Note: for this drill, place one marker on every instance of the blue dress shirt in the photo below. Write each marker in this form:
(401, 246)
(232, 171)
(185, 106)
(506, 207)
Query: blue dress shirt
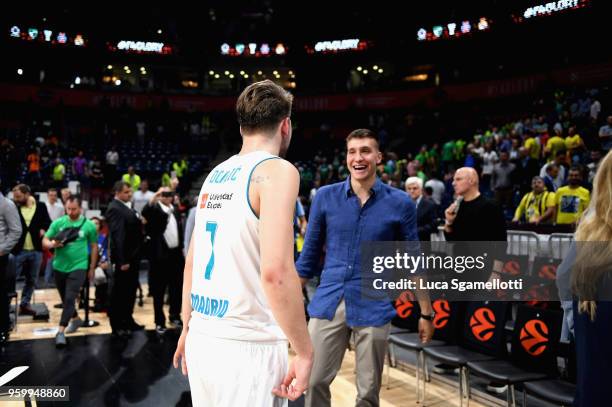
(338, 221)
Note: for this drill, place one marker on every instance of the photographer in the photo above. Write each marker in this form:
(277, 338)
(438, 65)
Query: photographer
(73, 237)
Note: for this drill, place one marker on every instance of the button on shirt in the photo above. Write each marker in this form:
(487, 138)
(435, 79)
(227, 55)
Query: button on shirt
(338, 220)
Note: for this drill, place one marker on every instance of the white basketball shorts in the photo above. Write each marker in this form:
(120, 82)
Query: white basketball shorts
(229, 373)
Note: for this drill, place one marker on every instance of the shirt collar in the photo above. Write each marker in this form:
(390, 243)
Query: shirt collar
(167, 209)
(376, 188)
(128, 204)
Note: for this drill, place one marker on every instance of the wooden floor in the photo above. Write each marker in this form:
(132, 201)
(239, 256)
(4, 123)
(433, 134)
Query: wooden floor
(402, 391)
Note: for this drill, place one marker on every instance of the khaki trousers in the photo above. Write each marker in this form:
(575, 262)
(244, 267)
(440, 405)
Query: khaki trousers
(330, 340)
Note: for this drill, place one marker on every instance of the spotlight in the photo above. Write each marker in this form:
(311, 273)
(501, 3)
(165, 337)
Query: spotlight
(118, 82)
(19, 71)
(109, 67)
(359, 68)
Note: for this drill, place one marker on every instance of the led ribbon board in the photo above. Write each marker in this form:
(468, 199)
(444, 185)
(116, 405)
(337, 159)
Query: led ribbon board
(327, 47)
(142, 47)
(253, 49)
(47, 36)
(453, 29)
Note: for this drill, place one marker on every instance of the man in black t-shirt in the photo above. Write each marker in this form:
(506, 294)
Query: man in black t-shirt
(473, 217)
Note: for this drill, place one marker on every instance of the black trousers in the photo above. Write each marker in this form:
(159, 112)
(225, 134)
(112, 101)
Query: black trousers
(167, 272)
(4, 301)
(123, 296)
(69, 285)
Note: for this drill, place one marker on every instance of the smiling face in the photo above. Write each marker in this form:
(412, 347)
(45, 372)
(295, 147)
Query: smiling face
(362, 157)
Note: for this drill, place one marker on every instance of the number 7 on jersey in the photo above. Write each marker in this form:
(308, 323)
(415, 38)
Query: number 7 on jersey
(212, 228)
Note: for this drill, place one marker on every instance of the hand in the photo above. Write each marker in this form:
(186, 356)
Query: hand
(451, 213)
(125, 267)
(180, 353)
(426, 330)
(57, 244)
(104, 265)
(299, 369)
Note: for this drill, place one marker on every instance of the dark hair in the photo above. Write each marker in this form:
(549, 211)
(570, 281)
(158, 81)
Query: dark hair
(74, 198)
(23, 188)
(362, 133)
(262, 105)
(577, 167)
(52, 190)
(119, 185)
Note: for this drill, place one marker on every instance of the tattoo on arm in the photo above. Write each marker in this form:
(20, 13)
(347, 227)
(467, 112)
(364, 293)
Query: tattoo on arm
(258, 179)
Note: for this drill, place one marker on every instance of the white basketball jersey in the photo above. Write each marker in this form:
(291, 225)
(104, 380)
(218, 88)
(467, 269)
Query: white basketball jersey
(227, 298)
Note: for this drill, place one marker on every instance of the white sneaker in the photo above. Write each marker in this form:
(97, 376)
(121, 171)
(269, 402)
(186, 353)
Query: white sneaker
(74, 325)
(495, 387)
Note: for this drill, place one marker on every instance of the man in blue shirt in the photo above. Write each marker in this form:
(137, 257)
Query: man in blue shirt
(342, 216)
